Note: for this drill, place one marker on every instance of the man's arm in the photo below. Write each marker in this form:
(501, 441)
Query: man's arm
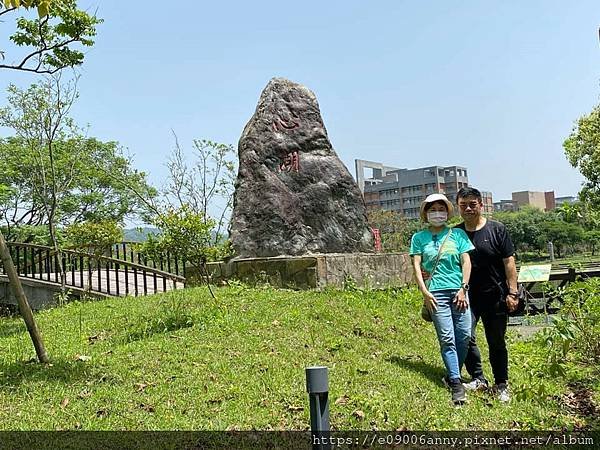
(461, 297)
(510, 269)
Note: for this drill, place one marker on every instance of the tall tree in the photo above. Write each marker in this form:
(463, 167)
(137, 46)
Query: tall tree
(40, 117)
(52, 173)
(204, 186)
(47, 40)
(582, 149)
(525, 227)
(193, 195)
(85, 191)
(563, 234)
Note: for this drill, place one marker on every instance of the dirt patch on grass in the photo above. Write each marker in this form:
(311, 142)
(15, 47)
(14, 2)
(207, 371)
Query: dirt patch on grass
(525, 332)
(579, 400)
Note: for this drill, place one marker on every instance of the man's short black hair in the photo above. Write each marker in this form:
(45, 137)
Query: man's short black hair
(468, 192)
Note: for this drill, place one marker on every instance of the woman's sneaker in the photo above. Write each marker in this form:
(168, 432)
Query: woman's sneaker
(476, 384)
(459, 394)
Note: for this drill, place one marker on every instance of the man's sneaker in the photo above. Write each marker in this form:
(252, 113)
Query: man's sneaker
(476, 384)
(503, 393)
(459, 394)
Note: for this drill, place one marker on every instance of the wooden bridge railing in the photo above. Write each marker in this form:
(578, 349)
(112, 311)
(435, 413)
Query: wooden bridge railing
(98, 273)
(129, 251)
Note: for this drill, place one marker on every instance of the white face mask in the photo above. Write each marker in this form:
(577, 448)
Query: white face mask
(437, 217)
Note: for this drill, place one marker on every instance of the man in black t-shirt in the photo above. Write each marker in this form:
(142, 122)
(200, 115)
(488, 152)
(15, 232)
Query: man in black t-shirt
(493, 289)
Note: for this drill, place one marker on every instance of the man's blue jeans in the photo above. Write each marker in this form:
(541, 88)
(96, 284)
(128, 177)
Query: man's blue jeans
(453, 328)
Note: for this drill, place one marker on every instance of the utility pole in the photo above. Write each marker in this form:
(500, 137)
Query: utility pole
(24, 307)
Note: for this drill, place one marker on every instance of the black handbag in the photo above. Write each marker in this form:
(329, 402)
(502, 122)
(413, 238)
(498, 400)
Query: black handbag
(522, 298)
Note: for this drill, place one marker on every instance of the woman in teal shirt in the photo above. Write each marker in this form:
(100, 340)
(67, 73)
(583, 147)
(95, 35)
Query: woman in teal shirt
(440, 253)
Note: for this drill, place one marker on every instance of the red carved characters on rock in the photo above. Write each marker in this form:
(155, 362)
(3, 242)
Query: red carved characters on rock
(290, 163)
(280, 124)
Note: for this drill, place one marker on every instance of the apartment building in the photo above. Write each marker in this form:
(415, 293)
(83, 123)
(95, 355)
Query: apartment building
(546, 201)
(403, 190)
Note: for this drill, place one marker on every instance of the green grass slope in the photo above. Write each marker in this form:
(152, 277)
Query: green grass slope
(185, 361)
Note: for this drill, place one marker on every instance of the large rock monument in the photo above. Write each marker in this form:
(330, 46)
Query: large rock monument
(293, 195)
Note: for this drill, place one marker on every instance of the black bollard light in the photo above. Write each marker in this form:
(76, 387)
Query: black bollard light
(317, 386)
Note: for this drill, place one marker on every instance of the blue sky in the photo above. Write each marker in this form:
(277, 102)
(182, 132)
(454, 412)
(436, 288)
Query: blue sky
(494, 86)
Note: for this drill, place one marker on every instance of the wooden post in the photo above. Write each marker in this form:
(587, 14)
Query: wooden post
(24, 307)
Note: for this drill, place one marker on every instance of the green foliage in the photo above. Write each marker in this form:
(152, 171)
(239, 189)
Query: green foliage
(571, 343)
(43, 6)
(581, 313)
(580, 213)
(186, 234)
(53, 38)
(172, 312)
(32, 234)
(204, 185)
(94, 237)
(525, 227)
(530, 229)
(395, 229)
(51, 170)
(350, 284)
(582, 149)
(592, 239)
(183, 212)
(561, 234)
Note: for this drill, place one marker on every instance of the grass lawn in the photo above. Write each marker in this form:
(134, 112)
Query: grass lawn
(185, 361)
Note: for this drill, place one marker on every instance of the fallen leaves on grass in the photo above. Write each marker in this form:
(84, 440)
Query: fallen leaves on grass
(147, 408)
(141, 386)
(84, 394)
(96, 337)
(358, 414)
(343, 400)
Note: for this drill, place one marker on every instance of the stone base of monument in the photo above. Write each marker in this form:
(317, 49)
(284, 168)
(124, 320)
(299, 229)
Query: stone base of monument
(376, 270)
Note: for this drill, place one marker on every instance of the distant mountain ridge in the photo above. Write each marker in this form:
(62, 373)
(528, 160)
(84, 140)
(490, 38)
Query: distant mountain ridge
(139, 234)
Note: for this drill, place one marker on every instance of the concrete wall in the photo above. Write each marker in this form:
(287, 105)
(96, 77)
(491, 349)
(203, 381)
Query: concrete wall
(40, 294)
(316, 271)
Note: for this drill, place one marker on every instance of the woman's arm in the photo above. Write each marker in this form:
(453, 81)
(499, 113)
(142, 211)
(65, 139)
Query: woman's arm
(428, 297)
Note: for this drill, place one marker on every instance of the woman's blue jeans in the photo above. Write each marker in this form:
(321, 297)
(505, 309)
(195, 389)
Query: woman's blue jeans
(453, 328)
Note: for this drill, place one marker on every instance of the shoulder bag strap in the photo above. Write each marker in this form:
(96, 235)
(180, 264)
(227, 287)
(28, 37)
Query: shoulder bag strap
(437, 260)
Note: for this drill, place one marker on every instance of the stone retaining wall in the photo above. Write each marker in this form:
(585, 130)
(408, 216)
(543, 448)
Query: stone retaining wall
(317, 271)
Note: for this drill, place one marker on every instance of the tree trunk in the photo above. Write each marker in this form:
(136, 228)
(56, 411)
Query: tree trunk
(24, 307)
(59, 256)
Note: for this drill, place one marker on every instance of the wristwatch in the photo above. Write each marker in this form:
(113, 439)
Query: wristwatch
(465, 286)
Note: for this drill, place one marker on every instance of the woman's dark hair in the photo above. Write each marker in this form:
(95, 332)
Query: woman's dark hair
(468, 192)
